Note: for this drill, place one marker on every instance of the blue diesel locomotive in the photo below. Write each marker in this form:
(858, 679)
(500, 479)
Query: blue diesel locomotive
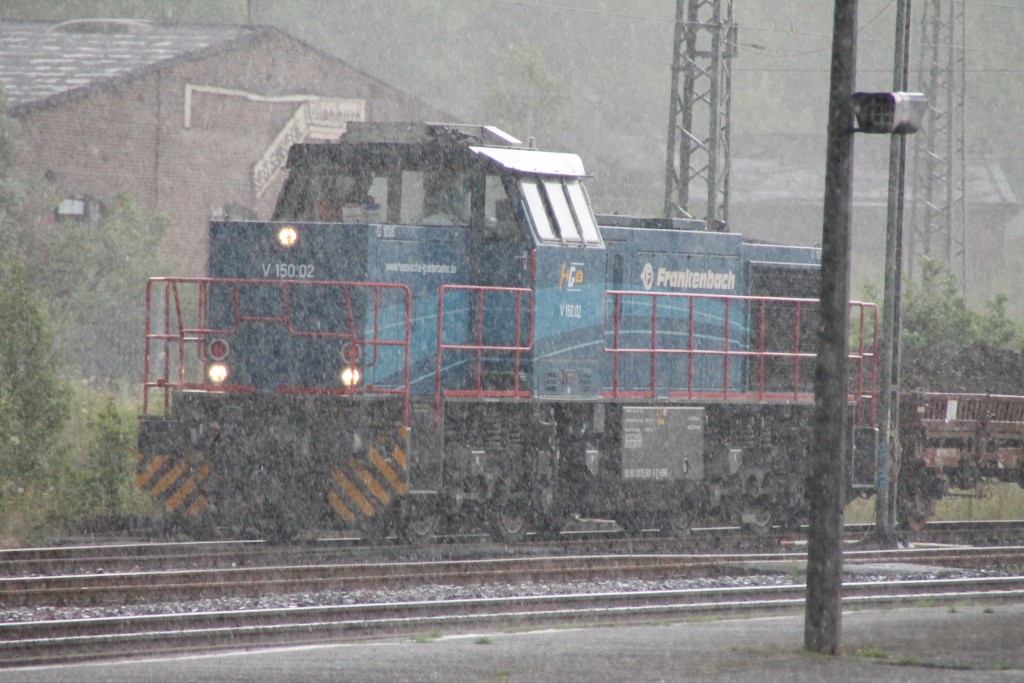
(435, 329)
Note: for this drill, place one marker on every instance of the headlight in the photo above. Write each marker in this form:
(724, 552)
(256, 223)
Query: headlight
(218, 349)
(350, 377)
(287, 236)
(217, 373)
(351, 353)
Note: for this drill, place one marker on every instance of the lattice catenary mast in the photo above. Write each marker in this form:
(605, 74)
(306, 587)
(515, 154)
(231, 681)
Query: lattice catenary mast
(698, 149)
(938, 219)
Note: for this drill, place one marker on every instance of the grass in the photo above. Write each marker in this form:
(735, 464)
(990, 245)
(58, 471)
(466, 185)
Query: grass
(1006, 502)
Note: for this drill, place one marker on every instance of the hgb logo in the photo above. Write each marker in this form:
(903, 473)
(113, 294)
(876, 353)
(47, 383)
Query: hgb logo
(647, 276)
(572, 276)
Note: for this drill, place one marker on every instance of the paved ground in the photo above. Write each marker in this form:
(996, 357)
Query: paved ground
(968, 643)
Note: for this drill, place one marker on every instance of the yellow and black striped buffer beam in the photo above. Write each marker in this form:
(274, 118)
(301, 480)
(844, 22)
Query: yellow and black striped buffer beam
(174, 480)
(368, 483)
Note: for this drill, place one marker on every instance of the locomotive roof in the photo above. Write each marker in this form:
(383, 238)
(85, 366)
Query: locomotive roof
(533, 160)
(416, 145)
(403, 133)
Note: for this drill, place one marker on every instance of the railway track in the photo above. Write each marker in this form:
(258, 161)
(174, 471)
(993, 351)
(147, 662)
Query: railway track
(134, 587)
(116, 555)
(61, 604)
(79, 639)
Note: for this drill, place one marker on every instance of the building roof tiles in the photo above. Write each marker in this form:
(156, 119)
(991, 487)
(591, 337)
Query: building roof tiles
(41, 63)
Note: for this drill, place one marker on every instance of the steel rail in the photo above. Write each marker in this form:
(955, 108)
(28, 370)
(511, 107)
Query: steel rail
(152, 586)
(151, 556)
(39, 642)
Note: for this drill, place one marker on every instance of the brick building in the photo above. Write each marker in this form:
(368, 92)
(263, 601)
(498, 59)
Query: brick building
(190, 121)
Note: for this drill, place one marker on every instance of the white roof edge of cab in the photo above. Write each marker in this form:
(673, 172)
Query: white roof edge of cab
(503, 136)
(534, 161)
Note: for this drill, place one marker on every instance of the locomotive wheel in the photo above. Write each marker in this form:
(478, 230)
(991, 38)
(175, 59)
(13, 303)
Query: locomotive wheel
(277, 530)
(917, 510)
(422, 521)
(679, 524)
(757, 519)
(549, 528)
(376, 529)
(632, 525)
(508, 517)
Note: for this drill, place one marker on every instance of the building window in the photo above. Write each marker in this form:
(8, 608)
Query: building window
(80, 210)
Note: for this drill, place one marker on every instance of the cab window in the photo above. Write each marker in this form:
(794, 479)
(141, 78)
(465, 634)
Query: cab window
(581, 208)
(560, 207)
(499, 212)
(538, 211)
(560, 210)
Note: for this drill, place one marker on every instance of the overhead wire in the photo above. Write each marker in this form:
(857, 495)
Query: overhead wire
(761, 50)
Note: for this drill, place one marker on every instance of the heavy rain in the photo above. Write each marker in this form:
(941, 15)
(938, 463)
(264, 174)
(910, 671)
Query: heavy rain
(440, 323)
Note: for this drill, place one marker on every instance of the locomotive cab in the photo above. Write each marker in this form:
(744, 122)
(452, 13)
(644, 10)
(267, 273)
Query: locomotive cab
(448, 206)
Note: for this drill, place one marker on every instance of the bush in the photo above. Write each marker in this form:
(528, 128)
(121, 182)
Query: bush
(33, 397)
(96, 473)
(944, 342)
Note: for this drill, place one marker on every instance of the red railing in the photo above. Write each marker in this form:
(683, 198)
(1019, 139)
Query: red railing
(475, 345)
(736, 332)
(178, 330)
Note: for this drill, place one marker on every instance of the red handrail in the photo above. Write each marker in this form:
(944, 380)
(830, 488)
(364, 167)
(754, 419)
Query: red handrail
(477, 347)
(863, 371)
(174, 332)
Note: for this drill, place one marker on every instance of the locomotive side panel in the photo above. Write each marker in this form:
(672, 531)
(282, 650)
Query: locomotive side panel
(424, 259)
(701, 263)
(569, 360)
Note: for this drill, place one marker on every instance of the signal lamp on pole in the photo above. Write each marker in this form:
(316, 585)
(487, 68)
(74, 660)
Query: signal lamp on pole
(889, 113)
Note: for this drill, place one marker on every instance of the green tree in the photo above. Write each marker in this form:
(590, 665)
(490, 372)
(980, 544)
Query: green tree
(95, 278)
(64, 454)
(33, 407)
(111, 456)
(96, 476)
(935, 316)
(996, 329)
(937, 326)
(12, 192)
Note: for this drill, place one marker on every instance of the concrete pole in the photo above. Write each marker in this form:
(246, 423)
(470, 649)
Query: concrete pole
(888, 353)
(825, 480)
(894, 413)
